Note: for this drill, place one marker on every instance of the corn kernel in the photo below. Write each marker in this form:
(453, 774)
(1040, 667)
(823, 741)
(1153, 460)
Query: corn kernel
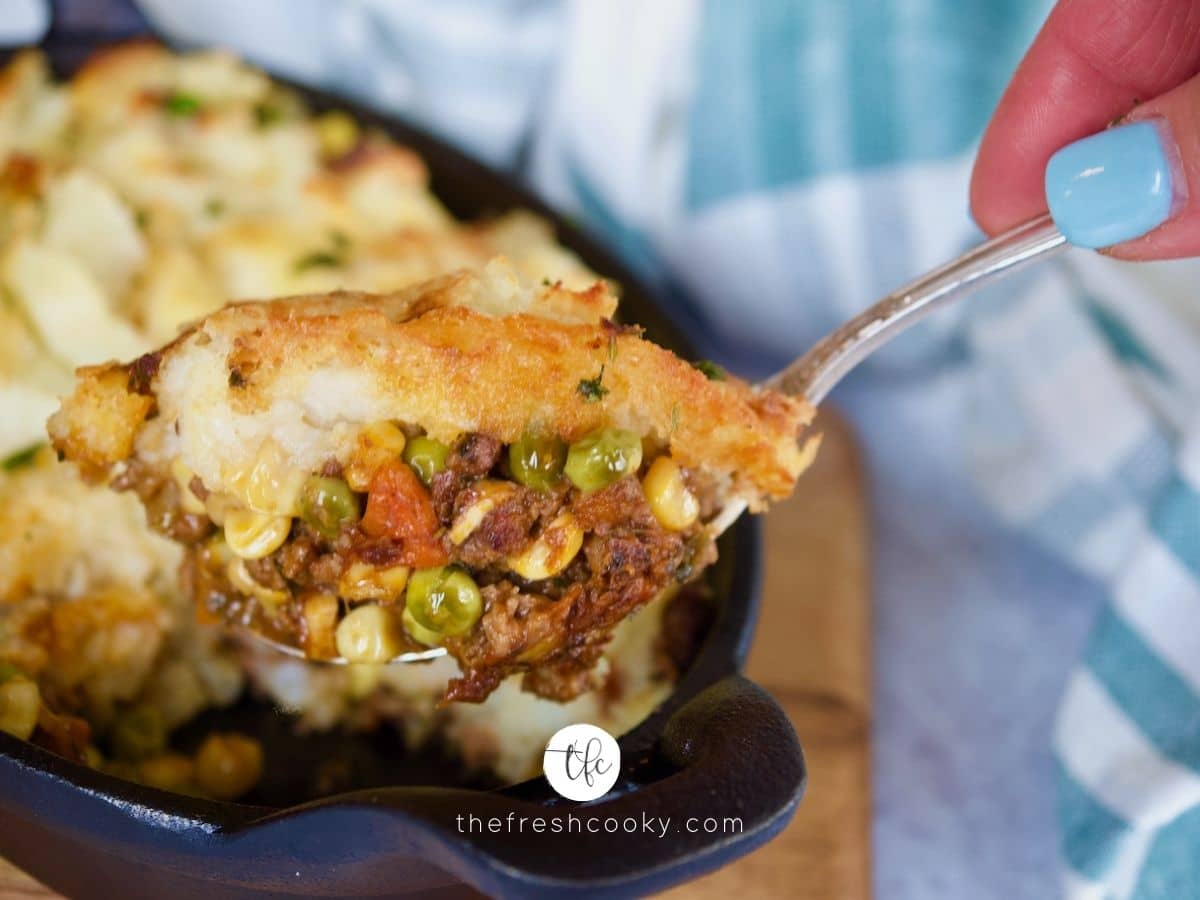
(217, 551)
(358, 476)
(228, 765)
(376, 444)
(271, 485)
(675, 507)
(217, 505)
(168, 772)
(553, 550)
(240, 579)
(387, 436)
(253, 535)
(188, 501)
(320, 622)
(369, 634)
(19, 704)
(337, 133)
(488, 495)
(363, 581)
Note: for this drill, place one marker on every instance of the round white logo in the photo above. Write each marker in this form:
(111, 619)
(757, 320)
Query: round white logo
(582, 762)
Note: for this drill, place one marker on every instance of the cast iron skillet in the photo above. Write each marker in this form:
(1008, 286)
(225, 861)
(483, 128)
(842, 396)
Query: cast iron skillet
(718, 747)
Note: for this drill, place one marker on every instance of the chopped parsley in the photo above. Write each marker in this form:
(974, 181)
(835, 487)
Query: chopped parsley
(21, 458)
(179, 103)
(319, 259)
(267, 114)
(331, 258)
(591, 389)
(215, 206)
(142, 219)
(546, 282)
(711, 370)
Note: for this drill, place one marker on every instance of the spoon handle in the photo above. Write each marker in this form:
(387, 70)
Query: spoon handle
(814, 374)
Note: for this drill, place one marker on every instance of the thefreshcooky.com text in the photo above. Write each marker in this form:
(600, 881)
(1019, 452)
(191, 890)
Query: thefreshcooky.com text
(571, 823)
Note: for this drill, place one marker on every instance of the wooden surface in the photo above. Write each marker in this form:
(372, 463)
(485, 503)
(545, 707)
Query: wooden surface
(812, 651)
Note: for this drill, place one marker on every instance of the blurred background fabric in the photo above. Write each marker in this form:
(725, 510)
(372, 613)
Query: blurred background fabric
(773, 167)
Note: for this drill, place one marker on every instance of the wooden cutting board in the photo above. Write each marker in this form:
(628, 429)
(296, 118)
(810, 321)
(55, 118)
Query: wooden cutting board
(812, 652)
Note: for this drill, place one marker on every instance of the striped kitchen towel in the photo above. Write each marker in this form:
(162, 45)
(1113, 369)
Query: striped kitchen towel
(775, 165)
(1088, 397)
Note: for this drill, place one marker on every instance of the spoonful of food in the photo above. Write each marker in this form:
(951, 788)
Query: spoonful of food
(816, 373)
(477, 466)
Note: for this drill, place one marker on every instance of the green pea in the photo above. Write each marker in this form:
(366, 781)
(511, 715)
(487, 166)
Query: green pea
(426, 456)
(444, 600)
(327, 503)
(139, 733)
(537, 461)
(602, 457)
(419, 632)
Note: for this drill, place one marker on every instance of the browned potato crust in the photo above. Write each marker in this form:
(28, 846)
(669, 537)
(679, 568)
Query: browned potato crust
(98, 423)
(454, 355)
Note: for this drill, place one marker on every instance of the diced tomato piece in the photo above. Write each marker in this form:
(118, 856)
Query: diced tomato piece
(399, 507)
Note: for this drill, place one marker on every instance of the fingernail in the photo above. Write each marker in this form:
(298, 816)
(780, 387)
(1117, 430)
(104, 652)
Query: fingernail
(1111, 187)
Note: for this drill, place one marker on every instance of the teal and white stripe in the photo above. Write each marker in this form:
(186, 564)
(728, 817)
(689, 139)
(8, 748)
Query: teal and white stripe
(1103, 465)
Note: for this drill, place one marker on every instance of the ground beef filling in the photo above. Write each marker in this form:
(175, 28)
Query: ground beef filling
(553, 630)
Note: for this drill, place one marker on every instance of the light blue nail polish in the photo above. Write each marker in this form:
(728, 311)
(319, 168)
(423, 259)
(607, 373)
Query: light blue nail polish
(1110, 187)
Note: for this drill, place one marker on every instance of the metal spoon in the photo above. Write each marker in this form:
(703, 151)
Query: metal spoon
(815, 374)
(413, 656)
(818, 371)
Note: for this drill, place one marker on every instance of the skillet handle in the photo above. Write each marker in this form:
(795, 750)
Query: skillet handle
(728, 754)
(725, 775)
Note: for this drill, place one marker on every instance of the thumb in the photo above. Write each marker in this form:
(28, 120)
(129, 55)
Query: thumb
(1134, 189)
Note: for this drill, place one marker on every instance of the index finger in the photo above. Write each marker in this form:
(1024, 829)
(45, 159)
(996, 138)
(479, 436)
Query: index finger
(1092, 62)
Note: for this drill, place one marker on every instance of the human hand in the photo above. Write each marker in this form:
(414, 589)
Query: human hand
(1129, 64)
